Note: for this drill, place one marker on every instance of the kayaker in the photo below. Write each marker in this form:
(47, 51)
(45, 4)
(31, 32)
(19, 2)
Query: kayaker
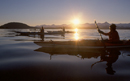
(64, 29)
(42, 34)
(42, 30)
(113, 34)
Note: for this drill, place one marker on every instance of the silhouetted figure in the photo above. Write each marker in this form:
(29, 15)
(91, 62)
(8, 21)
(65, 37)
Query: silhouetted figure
(42, 30)
(42, 34)
(113, 34)
(64, 29)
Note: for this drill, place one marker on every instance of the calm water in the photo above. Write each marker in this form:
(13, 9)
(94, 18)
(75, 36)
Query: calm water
(22, 60)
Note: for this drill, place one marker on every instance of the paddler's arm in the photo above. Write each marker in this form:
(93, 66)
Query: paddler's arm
(102, 32)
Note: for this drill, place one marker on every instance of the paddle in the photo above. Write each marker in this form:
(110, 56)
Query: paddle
(103, 45)
(100, 35)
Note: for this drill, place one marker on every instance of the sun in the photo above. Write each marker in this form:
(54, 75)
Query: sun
(76, 21)
(76, 30)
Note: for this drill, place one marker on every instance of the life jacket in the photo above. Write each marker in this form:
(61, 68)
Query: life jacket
(114, 36)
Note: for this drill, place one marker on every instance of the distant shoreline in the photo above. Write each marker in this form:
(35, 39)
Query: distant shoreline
(59, 28)
(19, 25)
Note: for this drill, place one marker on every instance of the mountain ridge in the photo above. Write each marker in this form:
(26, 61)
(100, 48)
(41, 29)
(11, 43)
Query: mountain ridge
(105, 25)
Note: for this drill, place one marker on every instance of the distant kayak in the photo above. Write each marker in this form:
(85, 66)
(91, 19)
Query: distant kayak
(38, 33)
(83, 44)
(60, 32)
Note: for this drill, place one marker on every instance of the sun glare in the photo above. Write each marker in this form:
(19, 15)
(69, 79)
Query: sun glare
(76, 21)
(76, 30)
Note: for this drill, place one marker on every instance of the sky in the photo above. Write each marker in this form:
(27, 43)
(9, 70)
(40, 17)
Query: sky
(58, 12)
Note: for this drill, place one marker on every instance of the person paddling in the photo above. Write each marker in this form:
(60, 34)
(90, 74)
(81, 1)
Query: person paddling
(113, 34)
(42, 34)
(42, 30)
(63, 29)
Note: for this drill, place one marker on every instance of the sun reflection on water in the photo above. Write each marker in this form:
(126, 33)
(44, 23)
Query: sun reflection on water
(76, 35)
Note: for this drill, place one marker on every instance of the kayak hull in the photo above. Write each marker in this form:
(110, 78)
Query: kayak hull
(83, 44)
(39, 33)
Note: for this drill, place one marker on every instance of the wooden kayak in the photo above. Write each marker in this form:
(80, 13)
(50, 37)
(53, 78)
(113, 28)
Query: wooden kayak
(84, 44)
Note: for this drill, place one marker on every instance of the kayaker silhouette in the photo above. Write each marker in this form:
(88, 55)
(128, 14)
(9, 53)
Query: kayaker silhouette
(63, 29)
(113, 34)
(42, 30)
(42, 34)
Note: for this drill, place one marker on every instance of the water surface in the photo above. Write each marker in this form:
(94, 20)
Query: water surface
(21, 59)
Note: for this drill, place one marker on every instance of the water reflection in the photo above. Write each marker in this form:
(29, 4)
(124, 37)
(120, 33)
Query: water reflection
(78, 52)
(76, 35)
(21, 60)
(110, 57)
(42, 37)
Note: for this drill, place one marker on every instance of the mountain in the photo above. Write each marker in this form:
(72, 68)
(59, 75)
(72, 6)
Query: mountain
(105, 25)
(15, 25)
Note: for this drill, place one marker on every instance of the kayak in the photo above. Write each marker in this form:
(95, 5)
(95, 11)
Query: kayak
(38, 33)
(60, 31)
(47, 33)
(84, 44)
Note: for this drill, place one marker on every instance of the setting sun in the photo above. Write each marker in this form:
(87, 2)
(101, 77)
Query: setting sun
(76, 21)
